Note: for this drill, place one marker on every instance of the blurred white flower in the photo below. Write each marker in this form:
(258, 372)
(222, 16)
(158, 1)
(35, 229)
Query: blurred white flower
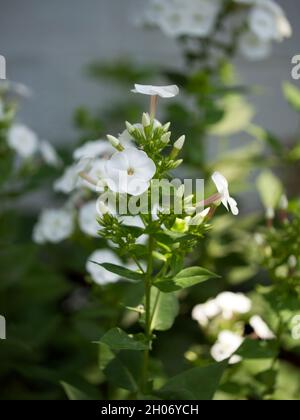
(203, 313)
(268, 21)
(162, 91)
(68, 181)
(261, 329)
(49, 154)
(130, 171)
(183, 17)
(99, 274)
(227, 344)
(97, 172)
(87, 219)
(252, 47)
(233, 303)
(23, 140)
(53, 226)
(93, 149)
(222, 186)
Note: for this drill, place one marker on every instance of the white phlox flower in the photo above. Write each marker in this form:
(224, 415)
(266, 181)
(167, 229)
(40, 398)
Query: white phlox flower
(23, 140)
(227, 344)
(53, 226)
(222, 186)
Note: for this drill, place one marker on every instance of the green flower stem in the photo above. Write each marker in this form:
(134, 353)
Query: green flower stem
(148, 284)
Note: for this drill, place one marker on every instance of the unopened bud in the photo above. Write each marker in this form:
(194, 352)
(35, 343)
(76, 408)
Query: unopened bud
(292, 261)
(283, 203)
(270, 213)
(146, 120)
(115, 142)
(129, 126)
(199, 218)
(179, 143)
(188, 200)
(165, 138)
(177, 163)
(166, 126)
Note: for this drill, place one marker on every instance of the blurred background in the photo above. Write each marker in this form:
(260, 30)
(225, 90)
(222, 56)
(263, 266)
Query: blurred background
(48, 46)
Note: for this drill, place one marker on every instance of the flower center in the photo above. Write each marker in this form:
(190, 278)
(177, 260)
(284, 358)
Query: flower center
(130, 171)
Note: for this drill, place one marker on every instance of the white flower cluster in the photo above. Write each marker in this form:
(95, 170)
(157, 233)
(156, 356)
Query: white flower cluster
(263, 21)
(228, 306)
(26, 144)
(183, 17)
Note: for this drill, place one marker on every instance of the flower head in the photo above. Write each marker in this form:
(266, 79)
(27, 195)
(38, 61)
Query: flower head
(227, 344)
(261, 329)
(49, 154)
(130, 171)
(162, 91)
(53, 226)
(23, 140)
(222, 186)
(87, 219)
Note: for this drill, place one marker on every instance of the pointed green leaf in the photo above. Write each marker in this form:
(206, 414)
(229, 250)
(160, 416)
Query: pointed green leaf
(185, 278)
(117, 339)
(73, 393)
(199, 383)
(121, 271)
(292, 95)
(122, 369)
(164, 309)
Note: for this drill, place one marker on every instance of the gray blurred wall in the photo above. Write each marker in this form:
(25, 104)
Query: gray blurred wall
(47, 44)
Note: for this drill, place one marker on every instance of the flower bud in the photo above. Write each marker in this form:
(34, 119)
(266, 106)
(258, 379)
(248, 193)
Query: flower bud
(166, 126)
(270, 213)
(292, 261)
(102, 208)
(179, 143)
(129, 127)
(283, 203)
(165, 138)
(146, 120)
(177, 163)
(115, 142)
(199, 218)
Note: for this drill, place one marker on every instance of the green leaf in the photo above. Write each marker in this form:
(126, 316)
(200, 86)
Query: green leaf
(255, 349)
(117, 339)
(199, 383)
(185, 278)
(121, 271)
(164, 309)
(270, 189)
(122, 369)
(292, 95)
(73, 393)
(238, 115)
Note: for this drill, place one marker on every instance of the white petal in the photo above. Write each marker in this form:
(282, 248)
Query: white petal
(162, 91)
(261, 328)
(233, 206)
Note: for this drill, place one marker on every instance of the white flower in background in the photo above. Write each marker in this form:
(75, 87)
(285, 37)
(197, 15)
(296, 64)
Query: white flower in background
(97, 172)
(23, 140)
(252, 47)
(233, 303)
(268, 21)
(222, 186)
(183, 17)
(130, 171)
(15, 88)
(93, 149)
(227, 344)
(49, 154)
(68, 181)
(203, 313)
(87, 219)
(99, 274)
(53, 226)
(162, 91)
(261, 329)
